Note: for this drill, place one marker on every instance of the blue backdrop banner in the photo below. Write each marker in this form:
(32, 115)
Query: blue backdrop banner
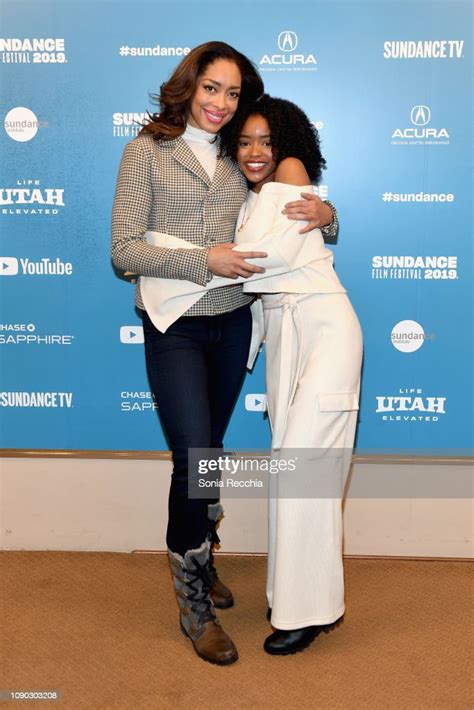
(387, 85)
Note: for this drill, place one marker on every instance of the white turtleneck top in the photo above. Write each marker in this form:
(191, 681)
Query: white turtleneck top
(204, 147)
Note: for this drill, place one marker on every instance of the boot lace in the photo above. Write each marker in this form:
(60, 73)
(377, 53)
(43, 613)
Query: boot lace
(199, 595)
(214, 540)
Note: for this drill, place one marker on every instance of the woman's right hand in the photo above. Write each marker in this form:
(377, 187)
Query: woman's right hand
(224, 260)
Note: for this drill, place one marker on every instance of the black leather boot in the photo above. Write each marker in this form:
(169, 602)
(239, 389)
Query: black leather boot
(220, 594)
(282, 643)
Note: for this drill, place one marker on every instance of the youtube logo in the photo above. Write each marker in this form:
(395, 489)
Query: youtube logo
(131, 334)
(8, 266)
(255, 402)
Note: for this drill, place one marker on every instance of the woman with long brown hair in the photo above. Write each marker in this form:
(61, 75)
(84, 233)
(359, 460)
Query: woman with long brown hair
(173, 180)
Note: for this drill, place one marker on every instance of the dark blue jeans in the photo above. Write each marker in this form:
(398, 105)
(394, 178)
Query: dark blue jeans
(196, 370)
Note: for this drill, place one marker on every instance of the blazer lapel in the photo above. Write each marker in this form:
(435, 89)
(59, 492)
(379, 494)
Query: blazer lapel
(224, 170)
(184, 155)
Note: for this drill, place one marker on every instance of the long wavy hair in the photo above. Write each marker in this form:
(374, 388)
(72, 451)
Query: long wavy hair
(174, 99)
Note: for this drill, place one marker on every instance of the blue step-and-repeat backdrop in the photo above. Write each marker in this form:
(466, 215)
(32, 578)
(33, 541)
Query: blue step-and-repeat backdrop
(387, 85)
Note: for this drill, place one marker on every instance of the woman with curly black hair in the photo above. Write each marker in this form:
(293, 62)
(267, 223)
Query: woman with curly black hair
(290, 130)
(313, 361)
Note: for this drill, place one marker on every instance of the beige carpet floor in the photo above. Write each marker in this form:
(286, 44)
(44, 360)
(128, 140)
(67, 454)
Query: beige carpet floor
(102, 629)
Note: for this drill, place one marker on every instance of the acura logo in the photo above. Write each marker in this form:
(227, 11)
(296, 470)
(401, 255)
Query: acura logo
(420, 115)
(287, 41)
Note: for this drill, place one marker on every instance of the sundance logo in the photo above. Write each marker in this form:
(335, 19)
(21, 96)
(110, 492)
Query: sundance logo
(11, 266)
(289, 59)
(131, 334)
(21, 124)
(408, 336)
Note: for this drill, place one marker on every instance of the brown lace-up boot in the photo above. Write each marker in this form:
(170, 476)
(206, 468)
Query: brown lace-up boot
(198, 621)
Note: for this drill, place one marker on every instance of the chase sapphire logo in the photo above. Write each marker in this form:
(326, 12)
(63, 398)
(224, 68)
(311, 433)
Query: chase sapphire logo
(287, 41)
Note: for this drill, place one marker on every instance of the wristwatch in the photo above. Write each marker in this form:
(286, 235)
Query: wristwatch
(331, 230)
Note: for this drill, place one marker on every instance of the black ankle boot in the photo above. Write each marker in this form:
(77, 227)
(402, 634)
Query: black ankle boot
(281, 643)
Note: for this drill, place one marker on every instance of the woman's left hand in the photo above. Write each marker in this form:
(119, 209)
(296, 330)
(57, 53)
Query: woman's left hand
(311, 209)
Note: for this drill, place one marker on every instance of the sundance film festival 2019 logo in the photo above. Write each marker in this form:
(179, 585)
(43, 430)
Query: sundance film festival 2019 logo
(28, 197)
(14, 50)
(127, 125)
(429, 268)
(22, 125)
(409, 405)
(420, 132)
(290, 56)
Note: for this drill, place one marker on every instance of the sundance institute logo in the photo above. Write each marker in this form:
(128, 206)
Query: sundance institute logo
(408, 336)
(21, 124)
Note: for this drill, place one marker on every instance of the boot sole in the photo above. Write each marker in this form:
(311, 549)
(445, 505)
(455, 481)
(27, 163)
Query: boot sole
(302, 647)
(227, 662)
(224, 605)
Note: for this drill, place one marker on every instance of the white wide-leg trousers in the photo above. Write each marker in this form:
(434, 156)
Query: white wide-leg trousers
(314, 354)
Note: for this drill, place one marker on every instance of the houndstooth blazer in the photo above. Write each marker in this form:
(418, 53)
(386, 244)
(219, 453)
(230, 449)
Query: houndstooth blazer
(163, 187)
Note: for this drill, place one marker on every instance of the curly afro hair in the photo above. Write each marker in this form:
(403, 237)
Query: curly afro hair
(292, 133)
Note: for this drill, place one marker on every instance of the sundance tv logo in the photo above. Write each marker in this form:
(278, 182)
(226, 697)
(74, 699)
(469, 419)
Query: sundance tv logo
(288, 58)
(48, 400)
(420, 133)
(424, 49)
